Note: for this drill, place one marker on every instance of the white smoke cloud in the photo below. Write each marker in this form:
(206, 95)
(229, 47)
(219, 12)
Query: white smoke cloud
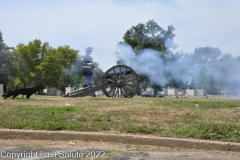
(187, 68)
(146, 63)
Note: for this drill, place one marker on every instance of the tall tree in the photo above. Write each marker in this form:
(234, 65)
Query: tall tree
(204, 62)
(150, 35)
(228, 73)
(5, 62)
(37, 63)
(73, 76)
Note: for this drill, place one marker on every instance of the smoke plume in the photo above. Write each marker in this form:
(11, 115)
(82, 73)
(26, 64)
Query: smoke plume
(190, 69)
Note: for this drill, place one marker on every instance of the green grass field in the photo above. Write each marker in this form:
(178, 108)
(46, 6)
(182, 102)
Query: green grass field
(195, 117)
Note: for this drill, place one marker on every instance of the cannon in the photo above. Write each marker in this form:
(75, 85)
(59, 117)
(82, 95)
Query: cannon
(119, 81)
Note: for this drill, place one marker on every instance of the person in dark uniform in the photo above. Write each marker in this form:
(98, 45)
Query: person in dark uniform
(88, 66)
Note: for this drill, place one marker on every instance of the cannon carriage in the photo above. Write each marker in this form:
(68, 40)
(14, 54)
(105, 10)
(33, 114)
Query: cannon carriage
(119, 81)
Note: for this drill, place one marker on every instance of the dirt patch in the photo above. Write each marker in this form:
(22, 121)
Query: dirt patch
(109, 109)
(112, 151)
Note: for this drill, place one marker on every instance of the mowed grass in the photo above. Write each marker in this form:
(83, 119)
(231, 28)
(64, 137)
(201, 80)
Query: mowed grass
(195, 117)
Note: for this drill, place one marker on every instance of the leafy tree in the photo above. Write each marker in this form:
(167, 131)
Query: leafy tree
(2, 45)
(209, 69)
(52, 66)
(150, 35)
(228, 73)
(73, 74)
(5, 62)
(179, 74)
(204, 63)
(37, 63)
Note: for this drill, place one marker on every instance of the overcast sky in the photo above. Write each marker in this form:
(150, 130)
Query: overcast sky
(101, 24)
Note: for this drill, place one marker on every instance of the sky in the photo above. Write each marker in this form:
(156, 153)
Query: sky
(101, 24)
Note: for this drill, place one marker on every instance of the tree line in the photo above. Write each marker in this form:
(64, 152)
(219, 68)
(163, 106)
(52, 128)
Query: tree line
(149, 50)
(39, 63)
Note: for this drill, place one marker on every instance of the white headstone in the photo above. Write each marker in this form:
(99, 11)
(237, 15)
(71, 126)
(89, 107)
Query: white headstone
(1, 89)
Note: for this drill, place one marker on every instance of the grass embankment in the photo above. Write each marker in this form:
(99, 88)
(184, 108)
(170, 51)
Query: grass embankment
(217, 119)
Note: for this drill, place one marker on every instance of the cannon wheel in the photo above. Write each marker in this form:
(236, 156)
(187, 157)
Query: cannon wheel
(120, 81)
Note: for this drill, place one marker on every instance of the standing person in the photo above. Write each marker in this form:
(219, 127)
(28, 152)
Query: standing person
(88, 66)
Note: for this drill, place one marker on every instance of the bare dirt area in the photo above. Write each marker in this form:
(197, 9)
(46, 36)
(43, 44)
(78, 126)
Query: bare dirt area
(45, 149)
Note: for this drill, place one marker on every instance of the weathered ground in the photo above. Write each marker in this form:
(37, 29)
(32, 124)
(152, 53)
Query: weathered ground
(67, 150)
(47, 149)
